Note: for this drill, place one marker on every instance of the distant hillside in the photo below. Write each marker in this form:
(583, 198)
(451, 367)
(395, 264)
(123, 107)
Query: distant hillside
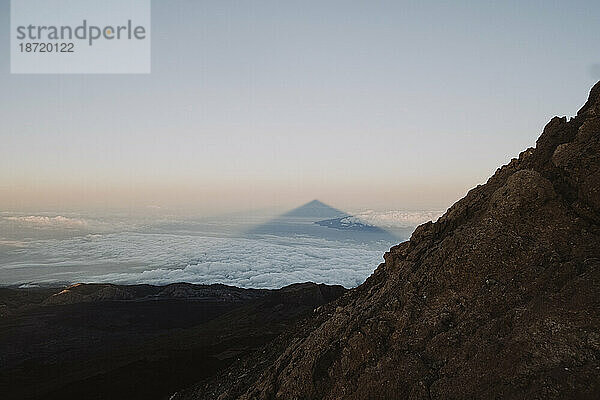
(103, 341)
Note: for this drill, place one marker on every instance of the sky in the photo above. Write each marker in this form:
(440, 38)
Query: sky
(258, 104)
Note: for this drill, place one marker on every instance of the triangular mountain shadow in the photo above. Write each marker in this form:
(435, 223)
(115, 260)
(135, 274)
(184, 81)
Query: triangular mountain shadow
(315, 209)
(317, 219)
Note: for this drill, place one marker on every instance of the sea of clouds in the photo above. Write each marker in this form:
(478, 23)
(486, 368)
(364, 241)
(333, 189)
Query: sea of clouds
(134, 253)
(266, 262)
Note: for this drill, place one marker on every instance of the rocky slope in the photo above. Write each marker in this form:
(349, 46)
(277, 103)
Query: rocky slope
(499, 299)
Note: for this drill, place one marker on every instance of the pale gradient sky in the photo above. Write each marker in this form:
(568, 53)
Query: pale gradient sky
(253, 104)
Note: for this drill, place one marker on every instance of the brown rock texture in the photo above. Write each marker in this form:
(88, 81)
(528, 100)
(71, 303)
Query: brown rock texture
(498, 299)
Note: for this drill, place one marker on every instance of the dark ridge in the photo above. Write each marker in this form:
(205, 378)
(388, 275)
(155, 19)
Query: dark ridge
(103, 341)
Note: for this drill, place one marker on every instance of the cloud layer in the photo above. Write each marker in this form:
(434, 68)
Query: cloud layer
(264, 262)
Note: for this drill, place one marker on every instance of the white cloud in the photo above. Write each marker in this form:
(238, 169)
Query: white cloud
(12, 243)
(45, 221)
(394, 219)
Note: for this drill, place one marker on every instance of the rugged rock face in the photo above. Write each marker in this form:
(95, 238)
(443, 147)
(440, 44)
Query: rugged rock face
(500, 298)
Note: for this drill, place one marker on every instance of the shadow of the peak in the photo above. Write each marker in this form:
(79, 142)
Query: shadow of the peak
(319, 220)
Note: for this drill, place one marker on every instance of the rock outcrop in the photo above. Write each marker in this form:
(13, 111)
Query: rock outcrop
(498, 299)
